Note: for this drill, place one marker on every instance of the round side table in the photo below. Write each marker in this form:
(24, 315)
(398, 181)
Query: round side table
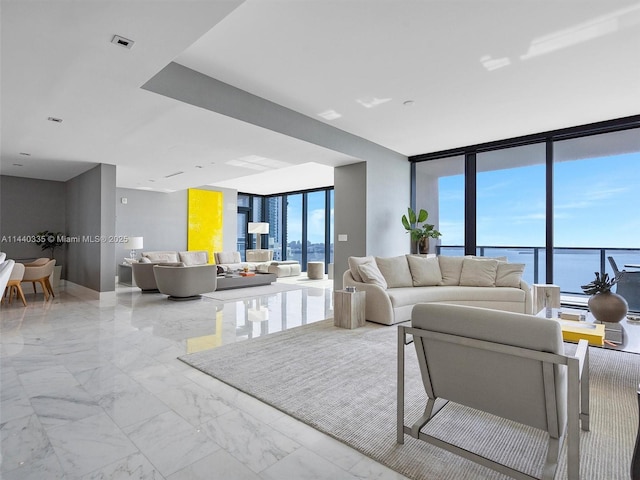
(315, 270)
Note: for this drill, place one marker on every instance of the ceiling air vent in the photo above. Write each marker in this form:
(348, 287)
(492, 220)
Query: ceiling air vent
(173, 174)
(123, 42)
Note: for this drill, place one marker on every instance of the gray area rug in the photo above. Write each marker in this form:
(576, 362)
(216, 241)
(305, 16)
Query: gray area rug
(259, 291)
(343, 382)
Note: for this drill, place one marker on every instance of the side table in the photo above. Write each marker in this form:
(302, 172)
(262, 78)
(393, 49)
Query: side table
(125, 274)
(349, 309)
(545, 296)
(315, 270)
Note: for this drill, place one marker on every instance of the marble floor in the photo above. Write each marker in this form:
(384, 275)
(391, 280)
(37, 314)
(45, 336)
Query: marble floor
(92, 389)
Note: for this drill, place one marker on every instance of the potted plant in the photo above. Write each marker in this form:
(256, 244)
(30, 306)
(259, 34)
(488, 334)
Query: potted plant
(47, 240)
(605, 305)
(419, 234)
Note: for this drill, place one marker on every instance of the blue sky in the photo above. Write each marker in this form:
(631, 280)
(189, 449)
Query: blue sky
(315, 217)
(595, 200)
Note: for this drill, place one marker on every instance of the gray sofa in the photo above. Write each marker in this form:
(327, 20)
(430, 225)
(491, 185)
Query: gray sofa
(185, 282)
(394, 285)
(142, 270)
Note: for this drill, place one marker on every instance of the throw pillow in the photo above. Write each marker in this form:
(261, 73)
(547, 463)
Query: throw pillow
(478, 273)
(509, 274)
(144, 260)
(370, 273)
(451, 268)
(353, 266)
(425, 271)
(395, 271)
(163, 257)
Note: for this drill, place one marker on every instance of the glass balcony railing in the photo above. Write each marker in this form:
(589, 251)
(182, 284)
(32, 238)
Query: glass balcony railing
(573, 267)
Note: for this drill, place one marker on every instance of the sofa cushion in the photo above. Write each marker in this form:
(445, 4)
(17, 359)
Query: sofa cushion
(478, 272)
(370, 273)
(395, 271)
(401, 297)
(425, 271)
(509, 274)
(228, 257)
(451, 268)
(200, 257)
(162, 257)
(353, 266)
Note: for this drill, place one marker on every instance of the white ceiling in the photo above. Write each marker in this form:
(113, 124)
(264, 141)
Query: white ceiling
(475, 70)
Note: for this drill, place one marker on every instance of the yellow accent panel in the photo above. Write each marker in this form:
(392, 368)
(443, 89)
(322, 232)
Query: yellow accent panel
(205, 221)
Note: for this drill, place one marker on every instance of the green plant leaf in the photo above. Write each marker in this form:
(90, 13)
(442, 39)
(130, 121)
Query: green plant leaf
(423, 215)
(412, 216)
(405, 223)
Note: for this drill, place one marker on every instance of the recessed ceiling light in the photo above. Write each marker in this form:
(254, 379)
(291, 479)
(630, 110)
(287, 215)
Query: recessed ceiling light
(18, 165)
(199, 166)
(371, 102)
(329, 115)
(494, 63)
(122, 42)
(25, 154)
(54, 119)
(408, 103)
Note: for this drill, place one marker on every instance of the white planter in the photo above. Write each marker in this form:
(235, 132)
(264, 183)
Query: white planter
(54, 278)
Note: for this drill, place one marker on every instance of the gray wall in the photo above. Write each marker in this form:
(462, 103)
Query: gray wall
(161, 219)
(370, 199)
(91, 217)
(349, 216)
(29, 206)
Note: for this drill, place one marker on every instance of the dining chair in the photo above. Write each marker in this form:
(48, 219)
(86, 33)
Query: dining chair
(40, 274)
(14, 285)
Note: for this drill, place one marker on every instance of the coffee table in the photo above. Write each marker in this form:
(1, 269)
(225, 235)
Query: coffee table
(601, 334)
(235, 280)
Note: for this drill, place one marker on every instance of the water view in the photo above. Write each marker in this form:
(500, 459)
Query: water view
(573, 267)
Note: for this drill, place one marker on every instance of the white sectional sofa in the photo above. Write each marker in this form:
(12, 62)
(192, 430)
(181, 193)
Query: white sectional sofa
(394, 285)
(259, 260)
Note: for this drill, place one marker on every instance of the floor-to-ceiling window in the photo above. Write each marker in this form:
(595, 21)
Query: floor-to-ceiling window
(316, 222)
(300, 224)
(440, 191)
(561, 202)
(274, 216)
(293, 227)
(510, 206)
(331, 231)
(596, 199)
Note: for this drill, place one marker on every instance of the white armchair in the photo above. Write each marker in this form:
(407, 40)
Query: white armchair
(507, 364)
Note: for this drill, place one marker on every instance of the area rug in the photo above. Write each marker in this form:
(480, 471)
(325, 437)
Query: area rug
(259, 291)
(343, 382)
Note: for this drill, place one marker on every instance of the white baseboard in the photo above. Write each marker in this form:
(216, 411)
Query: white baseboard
(85, 292)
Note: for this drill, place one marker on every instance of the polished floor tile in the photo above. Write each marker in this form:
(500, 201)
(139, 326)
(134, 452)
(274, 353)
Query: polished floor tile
(93, 389)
